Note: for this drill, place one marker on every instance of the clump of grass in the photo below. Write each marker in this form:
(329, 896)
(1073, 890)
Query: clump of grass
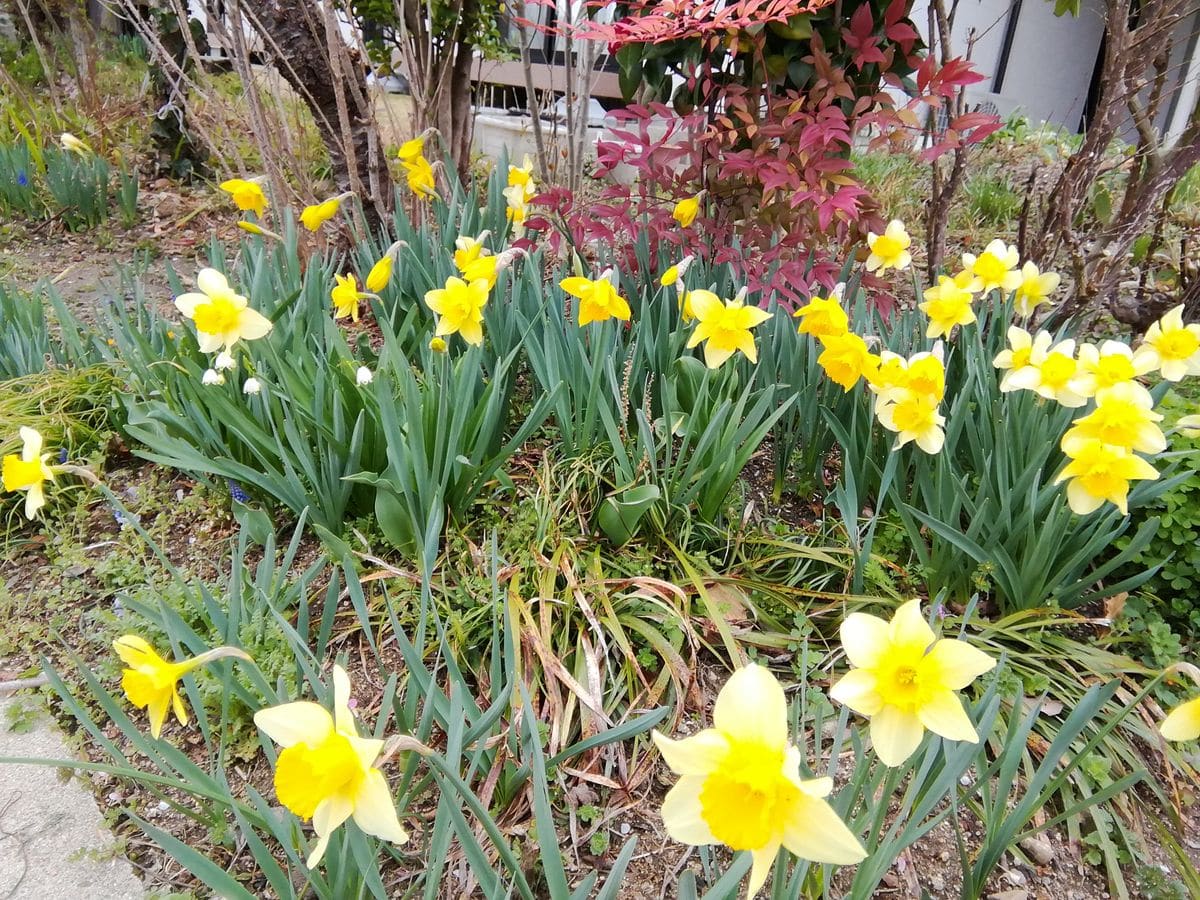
(992, 200)
(70, 407)
(896, 180)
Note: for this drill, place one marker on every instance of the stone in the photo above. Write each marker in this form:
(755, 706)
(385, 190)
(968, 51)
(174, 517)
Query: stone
(1009, 895)
(1039, 850)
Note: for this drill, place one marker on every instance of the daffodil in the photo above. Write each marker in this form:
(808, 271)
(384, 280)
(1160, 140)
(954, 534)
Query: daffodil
(995, 267)
(438, 345)
(1183, 722)
(345, 296)
(1034, 290)
(459, 307)
(256, 229)
(247, 195)
(313, 217)
(152, 683)
(740, 784)
(822, 317)
(686, 210)
(420, 178)
(1189, 426)
(517, 209)
(486, 268)
(905, 680)
(1110, 364)
(890, 249)
(28, 472)
(222, 316)
(889, 375)
(846, 359)
(326, 772)
(598, 300)
(68, 141)
(1099, 473)
(1123, 417)
(1171, 346)
(725, 327)
(1019, 354)
(949, 303)
(411, 149)
(895, 378)
(926, 374)
(1051, 372)
(674, 274)
(380, 274)
(522, 176)
(914, 417)
(468, 249)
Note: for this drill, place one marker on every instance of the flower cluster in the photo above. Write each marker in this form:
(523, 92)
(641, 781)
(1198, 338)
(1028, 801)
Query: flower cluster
(522, 188)
(418, 171)
(1102, 445)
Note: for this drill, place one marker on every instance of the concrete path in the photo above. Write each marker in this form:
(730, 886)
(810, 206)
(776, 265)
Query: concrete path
(53, 843)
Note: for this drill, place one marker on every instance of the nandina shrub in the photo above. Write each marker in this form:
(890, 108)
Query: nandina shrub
(767, 100)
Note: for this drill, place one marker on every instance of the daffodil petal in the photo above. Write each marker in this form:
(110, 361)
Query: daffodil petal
(252, 324)
(343, 721)
(682, 813)
(814, 831)
(752, 707)
(895, 734)
(375, 810)
(858, 689)
(908, 626)
(764, 861)
(329, 814)
(1183, 722)
(865, 639)
(157, 712)
(958, 662)
(294, 723)
(943, 714)
(695, 755)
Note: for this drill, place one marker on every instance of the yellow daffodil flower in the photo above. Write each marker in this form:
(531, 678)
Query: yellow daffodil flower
(412, 149)
(740, 783)
(1034, 290)
(686, 210)
(1189, 426)
(152, 683)
(468, 249)
(257, 230)
(313, 217)
(914, 417)
(598, 300)
(846, 359)
(1100, 472)
(486, 268)
(926, 374)
(522, 176)
(28, 472)
(674, 274)
(345, 296)
(725, 327)
(222, 316)
(995, 267)
(420, 178)
(889, 375)
(1183, 722)
(1171, 347)
(459, 307)
(1052, 372)
(890, 249)
(1110, 364)
(247, 195)
(326, 772)
(380, 274)
(949, 304)
(822, 317)
(895, 377)
(68, 141)
(905, 678)
(1123, 417)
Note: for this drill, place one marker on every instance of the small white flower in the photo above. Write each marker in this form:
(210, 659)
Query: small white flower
(212, 376)
(364, 375)
(224, 361)
(251, 386)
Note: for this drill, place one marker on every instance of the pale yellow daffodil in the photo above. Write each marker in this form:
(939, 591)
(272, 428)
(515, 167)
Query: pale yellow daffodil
(1110, 364)
(1052, 372)
(1034, 290)
(890, 249)
(914, 417)
(459, 307)
(326, 772)
(247, 195)
(995, 267)
(949, 303)
(152, 683)
(598, 300)
(1100, 473)
(1124, 417)
(1171, 347)
(28, 472)
(724, 327)
(222, 316)
(740, 784)
(1189, 426)
(1018, 355)
(905, 680)
(68, 141)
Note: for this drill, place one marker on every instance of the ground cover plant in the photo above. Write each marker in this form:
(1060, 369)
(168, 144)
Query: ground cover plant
(448, 554)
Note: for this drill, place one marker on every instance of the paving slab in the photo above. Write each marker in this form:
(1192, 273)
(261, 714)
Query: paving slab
(53, 841)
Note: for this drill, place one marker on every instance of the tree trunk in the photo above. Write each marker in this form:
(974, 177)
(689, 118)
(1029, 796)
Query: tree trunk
(331, 81)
